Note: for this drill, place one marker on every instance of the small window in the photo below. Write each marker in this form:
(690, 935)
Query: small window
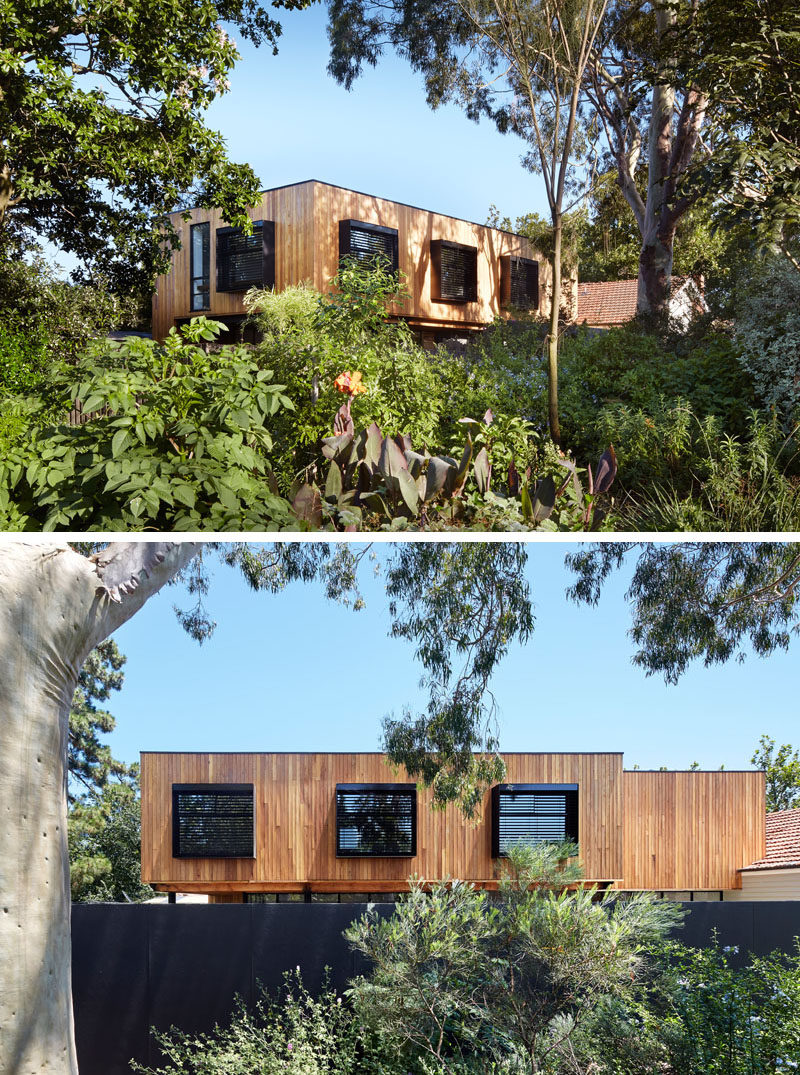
(455, 272)
(519, 283)
(212, 821)
(369, 243)
(376, 820)
(245, 261)
(533, 814)
(200, 271)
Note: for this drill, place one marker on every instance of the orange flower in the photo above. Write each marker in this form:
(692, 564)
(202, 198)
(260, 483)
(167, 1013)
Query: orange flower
(350, 383)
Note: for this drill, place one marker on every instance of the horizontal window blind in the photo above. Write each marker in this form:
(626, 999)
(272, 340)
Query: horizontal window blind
(376, 820)
(369, 243)
(245, 261)
(520, 282)
(455, 272)
(212, 821)
(533, 814)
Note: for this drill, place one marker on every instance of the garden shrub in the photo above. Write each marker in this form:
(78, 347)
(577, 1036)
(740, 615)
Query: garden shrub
(768, 333)
(310, 339)
(700, 1014)
(178, 440)
(292, 1034)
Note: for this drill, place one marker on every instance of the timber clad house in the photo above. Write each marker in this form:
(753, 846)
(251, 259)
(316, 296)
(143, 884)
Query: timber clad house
(260, 827)
(459, 275)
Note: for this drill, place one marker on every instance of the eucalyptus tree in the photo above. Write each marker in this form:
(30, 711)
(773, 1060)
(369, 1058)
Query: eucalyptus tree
(522, 63)
(57, 603)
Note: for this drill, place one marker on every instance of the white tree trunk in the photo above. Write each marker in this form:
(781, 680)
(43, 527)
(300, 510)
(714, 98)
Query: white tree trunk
(55, 606)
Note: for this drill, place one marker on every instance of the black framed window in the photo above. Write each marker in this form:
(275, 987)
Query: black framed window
(519, 283)
(374, 820)
(455, 272)
(200, 266)
(369, 243)
(213, 821)
(533, 814)
(245, 261)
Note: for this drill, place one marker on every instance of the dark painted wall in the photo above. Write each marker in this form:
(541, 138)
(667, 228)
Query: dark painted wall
(140, 966)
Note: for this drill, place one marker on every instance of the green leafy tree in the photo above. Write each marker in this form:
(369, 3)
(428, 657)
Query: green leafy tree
(101, 108)
(782, 769)
(91, 763)
(699, 600)
(468, 984)
(747, 59)
(105, 841)
(178, 439)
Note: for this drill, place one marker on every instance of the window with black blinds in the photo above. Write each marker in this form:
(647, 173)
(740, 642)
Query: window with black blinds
(212, 821)
(376, 820)
(245, 261)
(455, 272)
(533, 814)
(370, 244)
(200, 262)
(520, 283)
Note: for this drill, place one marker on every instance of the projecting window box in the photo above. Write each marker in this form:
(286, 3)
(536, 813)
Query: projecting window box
(376, 820)
(533, 814)
(213, 821)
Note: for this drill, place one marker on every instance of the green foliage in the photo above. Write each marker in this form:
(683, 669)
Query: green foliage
(309, 340)
(471, 984)
(104, 834)
(782, 769)
(768, 333)
(702, 1016)
(294, 1034)
(699, 599)
(118, 90)
(178, 440)
(718, 482)
(90, 761)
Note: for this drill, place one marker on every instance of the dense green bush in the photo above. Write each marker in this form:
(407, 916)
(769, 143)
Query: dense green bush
(699, 1015)
(768, 333)
(179, 439)
(310, 339)
(293, 1034)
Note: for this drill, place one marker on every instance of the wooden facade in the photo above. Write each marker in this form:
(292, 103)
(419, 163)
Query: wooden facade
(306, 217)
(660, 831)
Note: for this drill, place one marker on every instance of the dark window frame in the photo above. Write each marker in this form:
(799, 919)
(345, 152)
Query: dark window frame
(570, 814)
(346, 228)
(210, 789)
(508, 267)
(389, 789)
(470, 284)
(266, 278)
(205, 274)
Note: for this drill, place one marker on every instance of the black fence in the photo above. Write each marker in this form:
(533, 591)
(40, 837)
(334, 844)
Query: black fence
(134, 967)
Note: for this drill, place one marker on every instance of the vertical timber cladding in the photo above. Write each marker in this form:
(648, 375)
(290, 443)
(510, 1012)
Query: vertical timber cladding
(692, 830)
(417, 228)
(292, 211)
(295, 823)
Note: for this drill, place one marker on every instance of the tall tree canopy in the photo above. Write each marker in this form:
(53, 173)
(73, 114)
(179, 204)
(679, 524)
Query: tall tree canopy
(699, 600)
(101, 113)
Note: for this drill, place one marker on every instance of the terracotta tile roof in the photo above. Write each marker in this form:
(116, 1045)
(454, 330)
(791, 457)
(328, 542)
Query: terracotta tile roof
(610, 302)
(783, 842)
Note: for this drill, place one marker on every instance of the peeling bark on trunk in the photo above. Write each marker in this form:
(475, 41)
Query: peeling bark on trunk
(55, 606)
(655, 275)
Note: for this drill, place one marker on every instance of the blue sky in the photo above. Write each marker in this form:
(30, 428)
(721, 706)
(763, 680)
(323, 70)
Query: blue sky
(288, 119)
(295, 672)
